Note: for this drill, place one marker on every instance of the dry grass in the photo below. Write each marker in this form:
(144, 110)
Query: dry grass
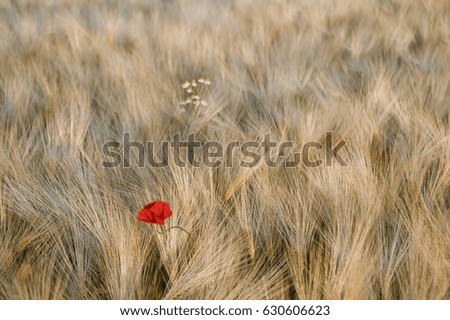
(75, 74)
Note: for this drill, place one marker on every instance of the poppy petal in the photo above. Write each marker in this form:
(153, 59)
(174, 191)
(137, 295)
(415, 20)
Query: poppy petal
(145, 216)
(159, 220)
(166, 212)
(155, 212)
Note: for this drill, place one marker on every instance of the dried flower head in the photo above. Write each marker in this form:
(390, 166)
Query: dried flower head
(185, 85)
(194, 92)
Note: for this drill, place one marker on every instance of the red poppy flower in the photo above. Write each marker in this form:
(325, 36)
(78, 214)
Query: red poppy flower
(155, 212)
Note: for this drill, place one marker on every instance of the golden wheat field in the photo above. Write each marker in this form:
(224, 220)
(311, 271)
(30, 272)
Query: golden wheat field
(75, 75)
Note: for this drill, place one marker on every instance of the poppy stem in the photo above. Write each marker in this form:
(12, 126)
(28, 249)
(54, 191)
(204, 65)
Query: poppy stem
(174, 227)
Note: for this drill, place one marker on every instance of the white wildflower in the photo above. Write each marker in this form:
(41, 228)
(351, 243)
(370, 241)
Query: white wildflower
(185, 85)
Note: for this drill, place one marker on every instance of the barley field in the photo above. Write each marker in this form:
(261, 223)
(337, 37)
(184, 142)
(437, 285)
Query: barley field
(75, 75)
